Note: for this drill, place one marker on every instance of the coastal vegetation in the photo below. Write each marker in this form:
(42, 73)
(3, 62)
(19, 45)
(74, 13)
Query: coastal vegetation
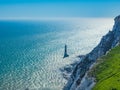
(107, 71)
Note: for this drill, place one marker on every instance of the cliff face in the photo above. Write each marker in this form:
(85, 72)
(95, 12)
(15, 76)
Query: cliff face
(110, 40)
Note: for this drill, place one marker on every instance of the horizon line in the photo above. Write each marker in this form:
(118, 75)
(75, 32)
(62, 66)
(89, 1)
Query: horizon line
(52, 18)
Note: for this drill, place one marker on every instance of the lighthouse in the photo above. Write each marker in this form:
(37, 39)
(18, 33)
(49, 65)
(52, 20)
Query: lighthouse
(65, 52)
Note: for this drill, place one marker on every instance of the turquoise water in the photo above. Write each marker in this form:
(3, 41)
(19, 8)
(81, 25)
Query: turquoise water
(31, 52)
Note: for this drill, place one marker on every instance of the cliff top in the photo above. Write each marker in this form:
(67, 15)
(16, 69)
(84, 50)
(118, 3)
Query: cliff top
(107, 71)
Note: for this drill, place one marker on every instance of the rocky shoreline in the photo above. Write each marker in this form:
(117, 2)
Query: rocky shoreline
(79, 74)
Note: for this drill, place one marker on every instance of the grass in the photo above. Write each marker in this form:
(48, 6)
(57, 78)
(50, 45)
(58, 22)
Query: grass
(107, 71)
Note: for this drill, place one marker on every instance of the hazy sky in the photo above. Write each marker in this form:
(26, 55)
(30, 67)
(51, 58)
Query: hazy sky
(58, 8)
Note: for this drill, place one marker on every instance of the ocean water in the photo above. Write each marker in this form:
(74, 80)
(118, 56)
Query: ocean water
(31, 51)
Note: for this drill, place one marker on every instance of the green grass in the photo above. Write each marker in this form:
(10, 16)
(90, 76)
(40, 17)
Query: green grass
(107, 71)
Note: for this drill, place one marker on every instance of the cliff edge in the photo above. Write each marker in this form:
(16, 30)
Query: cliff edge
(106, 71)
(110, 40)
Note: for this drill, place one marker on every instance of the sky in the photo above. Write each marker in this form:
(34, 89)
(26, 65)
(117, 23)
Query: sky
(58, 8)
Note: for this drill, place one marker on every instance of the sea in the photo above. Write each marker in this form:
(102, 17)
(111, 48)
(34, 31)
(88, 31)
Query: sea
(31, 51)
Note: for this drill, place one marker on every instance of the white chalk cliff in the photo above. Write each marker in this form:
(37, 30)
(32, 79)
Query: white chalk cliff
(110, 40)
